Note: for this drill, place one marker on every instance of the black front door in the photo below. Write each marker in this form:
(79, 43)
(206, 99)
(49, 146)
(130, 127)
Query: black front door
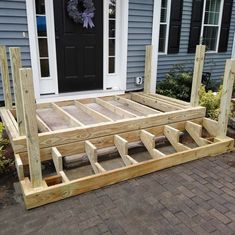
(79, 50)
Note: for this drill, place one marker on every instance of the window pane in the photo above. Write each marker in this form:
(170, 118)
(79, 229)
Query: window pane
(210, 37)
(111, 65)
(43, 49)
(164, 11)
(112, 8)
(112, 26)
(111, 47)
(212, 12)
(162, 39)
(41, 26)
(40, 7)
(45, 68)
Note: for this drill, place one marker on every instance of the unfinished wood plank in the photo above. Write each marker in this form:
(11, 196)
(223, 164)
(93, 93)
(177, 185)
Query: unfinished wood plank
(29, 107)
(139, 107)
(92, 112)
(122, 147)
(57, 159)
(72, 135)
(154, 103)
(78, 186)
(19, 167)
(5, 78)
(148, 69)
(197, 74)
(173, 135)
(69, 118)
(99, 168)
(225, 103)
(91, 152)
(195, 131)
(65, 179)
(42, 126)
(211, 126)
(117, 110)
(149, 142)
(16, 65)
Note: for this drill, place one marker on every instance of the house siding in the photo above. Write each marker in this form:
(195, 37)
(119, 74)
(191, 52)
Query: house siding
(139, 35)
(13, 23)
(214, 62)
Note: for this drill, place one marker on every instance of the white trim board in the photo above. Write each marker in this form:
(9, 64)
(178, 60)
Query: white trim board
(115, 81)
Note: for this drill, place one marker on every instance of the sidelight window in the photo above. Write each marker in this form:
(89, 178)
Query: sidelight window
(112, 37)
(42, 38)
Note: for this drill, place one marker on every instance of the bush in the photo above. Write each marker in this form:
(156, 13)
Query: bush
(211, 101)
(6, 153)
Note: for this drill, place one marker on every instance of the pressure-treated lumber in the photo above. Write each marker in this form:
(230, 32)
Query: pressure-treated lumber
(19, 167)
(16, 65)
(57, 192)
(5, 78)
(57, 159)
(197, 75)
(225, 104)
(148, 69)
(173, 135)
(29, 110)
(148, 140)
(42, 126)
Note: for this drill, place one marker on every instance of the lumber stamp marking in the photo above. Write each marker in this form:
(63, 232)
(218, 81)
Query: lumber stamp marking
(195, 131)
(91, 152)
(173, 135)
(197, 74)
(225, 104)
(16, 65)
(148, 140)
(122, 147)
(29, 108)
(148, 69)
(5, 78)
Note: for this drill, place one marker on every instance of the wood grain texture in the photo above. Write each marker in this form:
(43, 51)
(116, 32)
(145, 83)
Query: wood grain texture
(148, 69)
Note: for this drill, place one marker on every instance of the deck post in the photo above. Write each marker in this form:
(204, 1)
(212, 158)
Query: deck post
(5, 78)
(29, 109)
(16, 65)
(197, 74)
(148, 69)
(225, 103)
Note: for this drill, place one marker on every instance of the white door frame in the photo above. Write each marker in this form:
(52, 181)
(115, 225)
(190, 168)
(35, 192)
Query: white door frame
(115, 81)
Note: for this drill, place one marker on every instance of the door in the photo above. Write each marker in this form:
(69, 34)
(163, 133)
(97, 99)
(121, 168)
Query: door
(79, 50)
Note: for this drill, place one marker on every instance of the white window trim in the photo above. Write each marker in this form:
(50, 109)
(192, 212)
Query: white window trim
(219, 25)
(168, 17)
(116, 81)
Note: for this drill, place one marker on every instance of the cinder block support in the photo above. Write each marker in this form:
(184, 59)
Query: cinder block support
(5, 78)
(225, 104)
(197, 74)
(16, 65)
(29, 110)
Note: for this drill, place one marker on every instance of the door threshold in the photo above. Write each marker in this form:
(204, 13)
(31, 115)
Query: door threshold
(78, 95)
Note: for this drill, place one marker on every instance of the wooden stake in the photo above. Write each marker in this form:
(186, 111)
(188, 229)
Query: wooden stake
(16, 65)
(197, 74)
(225, 103)
(29, 108)
(5, 77)
(148, 69)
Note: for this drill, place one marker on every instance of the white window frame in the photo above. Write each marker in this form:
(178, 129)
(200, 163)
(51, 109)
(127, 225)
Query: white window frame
(167, 23)
(116, 81)
(219, 25)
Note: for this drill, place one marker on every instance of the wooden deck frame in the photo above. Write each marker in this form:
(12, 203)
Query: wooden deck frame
(35, 197)
(144, 117)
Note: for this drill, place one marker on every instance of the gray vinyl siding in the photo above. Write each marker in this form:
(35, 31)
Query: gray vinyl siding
(214, 62)
(139, 35)
(13, 22)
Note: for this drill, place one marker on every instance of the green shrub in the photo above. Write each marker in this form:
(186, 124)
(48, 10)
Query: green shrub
(211, 101)
(6, 153)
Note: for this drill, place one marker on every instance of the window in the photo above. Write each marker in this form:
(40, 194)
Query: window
(42, 38)
(211, 24)
(112, 36)
(164, 25)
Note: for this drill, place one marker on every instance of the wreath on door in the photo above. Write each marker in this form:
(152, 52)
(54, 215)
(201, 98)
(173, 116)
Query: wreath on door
(81, 12)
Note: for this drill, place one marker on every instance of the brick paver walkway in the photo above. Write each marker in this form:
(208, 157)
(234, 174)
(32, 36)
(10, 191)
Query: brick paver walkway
(195, 198)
